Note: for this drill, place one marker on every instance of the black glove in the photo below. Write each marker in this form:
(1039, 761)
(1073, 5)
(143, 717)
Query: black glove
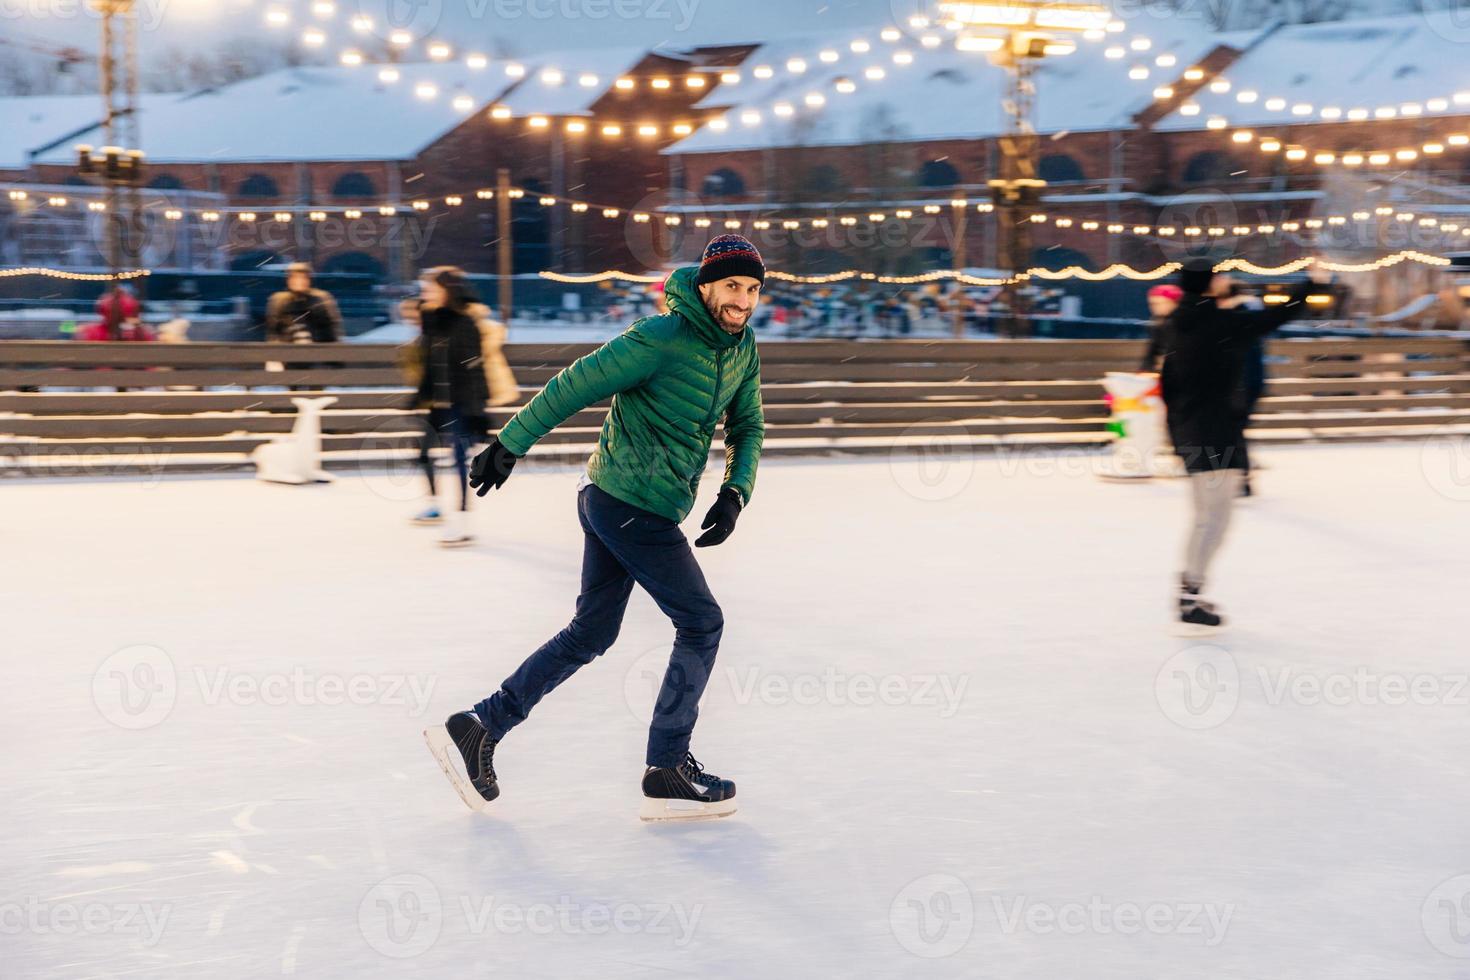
(720, 520)
(491, 468)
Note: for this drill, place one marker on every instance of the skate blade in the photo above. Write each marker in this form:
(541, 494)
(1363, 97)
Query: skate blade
(446, 753)
(1195, 629)
(425, 521)
(456, 542)
(659, 810)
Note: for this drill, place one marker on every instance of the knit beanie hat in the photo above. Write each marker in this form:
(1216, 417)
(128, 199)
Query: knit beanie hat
(1195, 276)
(1167, 291)
(730, 255)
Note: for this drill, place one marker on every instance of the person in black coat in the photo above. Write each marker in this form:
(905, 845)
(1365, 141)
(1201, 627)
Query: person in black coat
(452, 388)
(1162, 301)
(300, 314)
(1206, 342)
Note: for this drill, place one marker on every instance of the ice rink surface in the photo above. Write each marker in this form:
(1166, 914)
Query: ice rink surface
(965, 742)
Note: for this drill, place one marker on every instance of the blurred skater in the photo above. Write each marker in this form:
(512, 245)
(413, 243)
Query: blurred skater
(1162, 301)
(120, 317)
(1205, 341)
(672, 379)
(300, 313)
(453, 388)
(1247, 393)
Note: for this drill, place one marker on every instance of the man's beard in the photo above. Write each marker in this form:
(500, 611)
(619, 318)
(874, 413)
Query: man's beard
(715, 312)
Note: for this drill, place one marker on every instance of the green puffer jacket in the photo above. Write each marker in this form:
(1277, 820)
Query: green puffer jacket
(672, 378)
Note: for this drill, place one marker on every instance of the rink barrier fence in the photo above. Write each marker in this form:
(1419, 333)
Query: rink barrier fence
(97, 407)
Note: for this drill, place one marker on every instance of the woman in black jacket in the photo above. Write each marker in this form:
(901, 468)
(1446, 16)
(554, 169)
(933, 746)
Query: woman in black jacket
(1205, 343)
(452, 388)
(1162, 301)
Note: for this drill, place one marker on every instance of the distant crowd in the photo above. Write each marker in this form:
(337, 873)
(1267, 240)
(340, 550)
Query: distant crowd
(847, 309)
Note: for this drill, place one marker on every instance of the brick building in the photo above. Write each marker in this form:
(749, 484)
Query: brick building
(345, 142)
(1180, 128)
(1137, 133)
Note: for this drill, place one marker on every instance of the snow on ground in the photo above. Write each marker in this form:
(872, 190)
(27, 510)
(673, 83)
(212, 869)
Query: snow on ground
(965, 744)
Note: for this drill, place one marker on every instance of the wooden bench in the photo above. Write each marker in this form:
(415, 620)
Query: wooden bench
(76, 407)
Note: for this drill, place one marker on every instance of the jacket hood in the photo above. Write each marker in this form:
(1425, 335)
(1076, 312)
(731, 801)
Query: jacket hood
(682, 295)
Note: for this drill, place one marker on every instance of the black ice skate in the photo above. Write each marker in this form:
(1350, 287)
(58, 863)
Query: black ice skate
(473, 774)
(1196, 616)
(685, 792)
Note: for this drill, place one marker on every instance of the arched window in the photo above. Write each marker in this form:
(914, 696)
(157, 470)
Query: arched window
(1059, 168)
(1209, 166)
(723, 183)
(354, 183)
(258, 185)
(938, 173)
(166, 182)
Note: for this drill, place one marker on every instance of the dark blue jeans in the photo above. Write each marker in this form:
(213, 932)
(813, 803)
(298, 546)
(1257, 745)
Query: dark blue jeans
(445, 425)
(623, 545)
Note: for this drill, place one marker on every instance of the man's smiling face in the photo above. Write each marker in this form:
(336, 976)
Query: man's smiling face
(731, 301)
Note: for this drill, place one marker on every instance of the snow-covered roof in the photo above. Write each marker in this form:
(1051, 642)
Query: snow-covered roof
(1382, 61)
(30, 122)
(943, 94)
(347, 113)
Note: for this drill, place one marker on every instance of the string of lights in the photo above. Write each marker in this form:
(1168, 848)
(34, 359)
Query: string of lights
(1271, 144)
(870, 65)
(287, 213)
(1070, 272)
(937, 275)
(1297, 112)
(402, 44)
(1293, 109)
(1242, 230)
(1111, 272)
(32, 270)
(318, 213)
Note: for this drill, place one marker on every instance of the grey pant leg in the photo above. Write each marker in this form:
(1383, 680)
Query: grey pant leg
(1213, 494)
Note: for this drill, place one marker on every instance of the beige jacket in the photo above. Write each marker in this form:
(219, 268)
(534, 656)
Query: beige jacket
(503, 387)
